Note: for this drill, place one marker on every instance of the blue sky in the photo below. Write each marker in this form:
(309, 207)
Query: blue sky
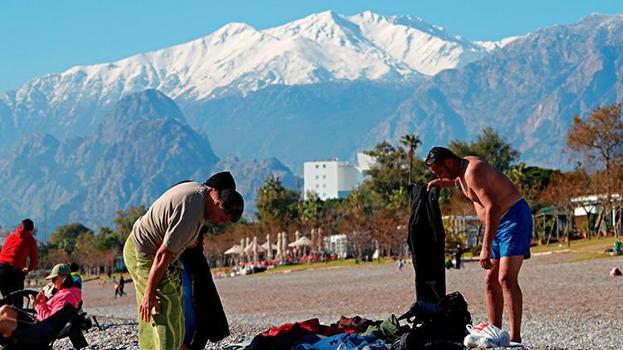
(38, 37)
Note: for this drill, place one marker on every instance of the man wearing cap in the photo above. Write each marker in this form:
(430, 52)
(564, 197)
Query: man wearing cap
(151, 252)
(18, 247)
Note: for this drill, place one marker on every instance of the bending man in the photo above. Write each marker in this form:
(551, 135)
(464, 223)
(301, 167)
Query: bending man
(151, 252)
(508, 228)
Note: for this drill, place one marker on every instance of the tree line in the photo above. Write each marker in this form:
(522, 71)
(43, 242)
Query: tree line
(378, 209)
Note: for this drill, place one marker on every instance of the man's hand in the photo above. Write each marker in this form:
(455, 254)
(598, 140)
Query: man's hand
(443, 183)
(485, 258)
(149, 301)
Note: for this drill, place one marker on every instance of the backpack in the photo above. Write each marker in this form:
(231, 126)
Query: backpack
(443, 328)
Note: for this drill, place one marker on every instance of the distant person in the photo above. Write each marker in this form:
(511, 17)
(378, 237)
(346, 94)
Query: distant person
(18, 247)
(75, 275)
(508, 227)
(458, 255)
(119, 287)
(399, 265)
(151, 252)
(14, 322)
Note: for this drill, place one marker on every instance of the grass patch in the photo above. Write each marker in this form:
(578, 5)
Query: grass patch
(596, 245)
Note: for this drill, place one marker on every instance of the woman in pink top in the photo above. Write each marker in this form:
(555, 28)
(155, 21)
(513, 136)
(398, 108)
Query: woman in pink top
(65, 294)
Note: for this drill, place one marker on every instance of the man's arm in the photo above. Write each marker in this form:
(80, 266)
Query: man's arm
(158, 269)
(478, 181)
(34, 256)
(443, 183)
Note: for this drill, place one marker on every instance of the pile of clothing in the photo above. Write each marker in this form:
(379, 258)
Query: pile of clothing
(425, 326)
(348, 333)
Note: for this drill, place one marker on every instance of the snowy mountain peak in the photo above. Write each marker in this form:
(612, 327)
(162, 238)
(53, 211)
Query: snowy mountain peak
(239, 59)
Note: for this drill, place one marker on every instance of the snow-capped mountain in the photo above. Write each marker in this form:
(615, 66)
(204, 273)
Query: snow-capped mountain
(238, 59)
(321, 47)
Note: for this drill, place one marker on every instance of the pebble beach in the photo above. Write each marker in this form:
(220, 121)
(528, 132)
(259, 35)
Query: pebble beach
(567, 304)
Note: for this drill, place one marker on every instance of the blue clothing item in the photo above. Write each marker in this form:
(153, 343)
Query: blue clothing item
(190, 315)
(77, 280)
(514, 232)
(345, 342)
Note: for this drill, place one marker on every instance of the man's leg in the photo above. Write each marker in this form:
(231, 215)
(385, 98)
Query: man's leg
(135, 267)
(165, 331)
(18, 281)
(493, 294)
(508, 276)
(168, 325)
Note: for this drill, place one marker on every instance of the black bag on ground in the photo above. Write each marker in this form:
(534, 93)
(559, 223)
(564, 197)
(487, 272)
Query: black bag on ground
(443, 328)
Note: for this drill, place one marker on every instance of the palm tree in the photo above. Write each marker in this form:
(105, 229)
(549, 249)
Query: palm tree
(411, 141)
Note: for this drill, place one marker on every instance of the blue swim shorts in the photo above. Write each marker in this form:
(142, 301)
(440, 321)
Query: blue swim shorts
(514, 232)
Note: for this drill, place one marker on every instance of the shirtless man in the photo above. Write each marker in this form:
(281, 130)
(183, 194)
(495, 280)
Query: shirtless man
(508, 227)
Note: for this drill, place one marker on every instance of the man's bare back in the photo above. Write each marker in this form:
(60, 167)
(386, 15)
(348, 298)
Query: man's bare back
(479, 177)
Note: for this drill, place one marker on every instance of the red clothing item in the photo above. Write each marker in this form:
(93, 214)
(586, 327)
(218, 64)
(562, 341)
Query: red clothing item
(63, 297)
(19, 246)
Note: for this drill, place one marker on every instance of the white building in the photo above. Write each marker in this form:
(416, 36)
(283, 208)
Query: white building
(329, 179)
(338, 245)
(364, 162)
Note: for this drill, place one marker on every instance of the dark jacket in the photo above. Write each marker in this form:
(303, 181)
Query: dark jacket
(211, 320)
(426, 239)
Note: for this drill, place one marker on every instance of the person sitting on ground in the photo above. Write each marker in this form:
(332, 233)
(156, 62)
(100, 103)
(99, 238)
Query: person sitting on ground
(66, 293)
(75, 275)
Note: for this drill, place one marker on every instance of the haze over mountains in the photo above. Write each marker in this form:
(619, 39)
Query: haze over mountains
(323, 86)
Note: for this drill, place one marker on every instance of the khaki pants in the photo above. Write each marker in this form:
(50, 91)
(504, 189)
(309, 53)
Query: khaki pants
(166, 330)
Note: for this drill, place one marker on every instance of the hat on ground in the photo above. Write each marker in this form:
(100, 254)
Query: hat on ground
(59, 270)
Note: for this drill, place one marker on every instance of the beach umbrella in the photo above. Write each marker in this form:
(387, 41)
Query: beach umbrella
(255, 249)
(284, 244)
(301, 242)
(235, 250)
(247, 244)
(269, 248)
(279, 246)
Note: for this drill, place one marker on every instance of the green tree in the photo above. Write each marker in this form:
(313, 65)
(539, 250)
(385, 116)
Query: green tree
(106, 239)
(64, 237)
(411, 141)
(276, 205)
(531, 182)
(387, 173)
(490, 146)
(311, 209)
(125, 219)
